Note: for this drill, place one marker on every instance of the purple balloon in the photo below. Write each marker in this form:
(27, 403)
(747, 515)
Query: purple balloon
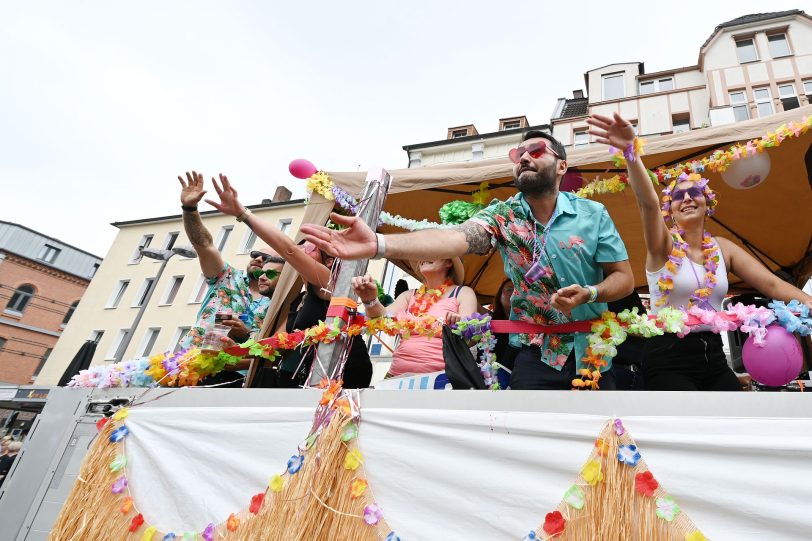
(778, 362)
(302, 168)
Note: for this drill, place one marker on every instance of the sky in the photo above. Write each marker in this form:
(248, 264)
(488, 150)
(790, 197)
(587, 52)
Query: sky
(104, 103)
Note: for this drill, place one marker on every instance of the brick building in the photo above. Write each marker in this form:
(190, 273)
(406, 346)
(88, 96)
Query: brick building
(41, 282)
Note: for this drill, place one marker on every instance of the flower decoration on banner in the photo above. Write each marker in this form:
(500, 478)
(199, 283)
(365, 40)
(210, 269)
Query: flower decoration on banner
(628, 454)
(667, 508)
(554, 523)
(119, 485)
(353, 460)
(392, 536)
(602, 447)
(232, 523)
(119, 434)
(126, 506)
(208, 533)
(372, 514)
(136, 522)
(349, 432)
(295, 464)
(277, 483)
(101, 422)
(256, 503)
(118, 463)
(357, 488)
(149, 533)
(645, 483)
(121, 414)
(591, 472)
(719, 161)
(169, 537)
(531, 536)
(618, 427)
(575, 497)
(696, 536)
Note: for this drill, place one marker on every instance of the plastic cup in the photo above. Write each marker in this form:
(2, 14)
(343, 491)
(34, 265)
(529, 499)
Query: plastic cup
(213, 337)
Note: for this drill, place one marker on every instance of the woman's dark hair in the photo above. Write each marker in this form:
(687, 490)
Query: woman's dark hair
(498, 311)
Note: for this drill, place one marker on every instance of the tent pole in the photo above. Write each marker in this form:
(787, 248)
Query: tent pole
(374, 194)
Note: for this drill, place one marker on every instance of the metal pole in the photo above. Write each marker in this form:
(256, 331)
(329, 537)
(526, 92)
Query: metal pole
(128, 338)
(375, 190)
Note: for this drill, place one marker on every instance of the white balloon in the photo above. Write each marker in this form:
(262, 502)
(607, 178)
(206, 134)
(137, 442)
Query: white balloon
(746, 173)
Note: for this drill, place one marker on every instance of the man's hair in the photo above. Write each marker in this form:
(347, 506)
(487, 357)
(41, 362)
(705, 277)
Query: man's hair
(275, 259)
(555, 144)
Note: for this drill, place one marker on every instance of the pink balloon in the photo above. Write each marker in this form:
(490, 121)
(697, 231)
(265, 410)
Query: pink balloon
(778, 362)
(302, 168)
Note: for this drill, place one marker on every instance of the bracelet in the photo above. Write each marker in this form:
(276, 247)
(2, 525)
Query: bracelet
(593, 294)
(244, 216)
(370, 304)
(186, 208)
(381, 251)
(629, 152)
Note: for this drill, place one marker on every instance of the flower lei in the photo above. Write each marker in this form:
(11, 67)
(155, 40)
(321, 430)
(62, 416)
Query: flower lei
(425, 298)
(710, 196)
(679, 253)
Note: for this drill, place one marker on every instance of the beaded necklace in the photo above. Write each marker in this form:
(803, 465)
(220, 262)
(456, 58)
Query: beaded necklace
(679, 253)
(425, 298)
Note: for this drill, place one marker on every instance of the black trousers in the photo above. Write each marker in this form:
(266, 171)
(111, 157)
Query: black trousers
(530, 373)
(696, 362)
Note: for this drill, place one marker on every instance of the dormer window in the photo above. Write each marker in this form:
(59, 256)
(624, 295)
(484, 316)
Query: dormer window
(613, 86)
(456, 134)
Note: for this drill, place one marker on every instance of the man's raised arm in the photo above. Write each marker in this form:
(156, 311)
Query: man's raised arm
(358, 241)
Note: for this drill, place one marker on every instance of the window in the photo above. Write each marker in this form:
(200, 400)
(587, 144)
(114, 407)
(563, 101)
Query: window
(71, 310)
(116, 350)
(657, 85)
(581, 138)
(146, 240)
(456, 134)
(477, 151)
(746, 50)
(222, 237)
(42, 361)
(681, 123)
(788, 97)
(512, 125)
(94, 269)
(284, 224)
(143, 293)
(808, 90)
(248, 241)
(150, 337)
(200, 290)
(118, 292)
(415, 159)
(48, 253)
(95, 336)
(171, 239)
(764, 102)
(2, 343)
(779, 46)
(20, 299)
(741, 111)
(613, 86)
(180, 334)
(634, 125)
(172, 290)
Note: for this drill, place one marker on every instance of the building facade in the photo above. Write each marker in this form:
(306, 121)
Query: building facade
(42, 280)
(752, 66)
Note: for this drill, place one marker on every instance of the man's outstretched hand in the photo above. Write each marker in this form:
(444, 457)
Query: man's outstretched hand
(356, 241)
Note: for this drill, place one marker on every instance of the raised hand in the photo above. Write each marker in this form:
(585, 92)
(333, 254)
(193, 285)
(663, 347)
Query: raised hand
(365, 287)
(192, 189)
(357, 241)
(611, 131)
(229, 203)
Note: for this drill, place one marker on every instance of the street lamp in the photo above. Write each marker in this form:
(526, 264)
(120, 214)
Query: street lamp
(163, 256)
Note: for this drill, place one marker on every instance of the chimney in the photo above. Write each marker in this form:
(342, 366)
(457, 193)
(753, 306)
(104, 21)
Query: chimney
(578, 94)
(282, 194)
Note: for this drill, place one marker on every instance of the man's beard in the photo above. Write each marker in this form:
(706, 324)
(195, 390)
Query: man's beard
(266, 291)
(542, 182)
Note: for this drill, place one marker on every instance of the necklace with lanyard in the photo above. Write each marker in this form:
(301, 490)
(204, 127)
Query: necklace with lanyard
(537, 270)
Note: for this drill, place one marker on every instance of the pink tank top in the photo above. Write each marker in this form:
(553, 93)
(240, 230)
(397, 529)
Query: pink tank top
(420, 354)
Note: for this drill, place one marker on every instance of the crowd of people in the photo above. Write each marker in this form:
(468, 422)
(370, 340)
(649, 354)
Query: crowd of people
(564, 263)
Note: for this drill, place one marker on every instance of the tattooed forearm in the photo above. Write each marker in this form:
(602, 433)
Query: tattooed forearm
(198, 235)
(479, 241)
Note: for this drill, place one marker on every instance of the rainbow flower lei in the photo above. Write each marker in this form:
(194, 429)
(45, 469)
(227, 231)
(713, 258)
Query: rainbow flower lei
(678, 255)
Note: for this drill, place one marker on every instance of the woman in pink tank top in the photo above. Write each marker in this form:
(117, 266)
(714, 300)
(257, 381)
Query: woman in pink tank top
(686, 267)
(441, 296)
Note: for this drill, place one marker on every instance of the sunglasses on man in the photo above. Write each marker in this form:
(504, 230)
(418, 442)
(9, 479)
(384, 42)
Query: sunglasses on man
(265, 257)
(693, 192)
(536, 150)
(270, 273)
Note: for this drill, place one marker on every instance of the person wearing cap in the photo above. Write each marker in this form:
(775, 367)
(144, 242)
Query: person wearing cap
(441, 296)
(233, 293)
(563, 254)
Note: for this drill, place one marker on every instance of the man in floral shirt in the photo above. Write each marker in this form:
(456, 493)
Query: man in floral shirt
(233, 291)
(562, 253)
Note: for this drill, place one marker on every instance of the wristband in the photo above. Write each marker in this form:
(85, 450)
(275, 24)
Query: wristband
(370, 304)
(381, 251)
(244, 216)
(593, 294)
(186, 208)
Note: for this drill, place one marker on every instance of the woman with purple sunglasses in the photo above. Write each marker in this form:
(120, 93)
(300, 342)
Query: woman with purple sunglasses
(686, 266)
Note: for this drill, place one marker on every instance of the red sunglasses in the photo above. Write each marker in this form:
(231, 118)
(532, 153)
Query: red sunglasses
(536, 150)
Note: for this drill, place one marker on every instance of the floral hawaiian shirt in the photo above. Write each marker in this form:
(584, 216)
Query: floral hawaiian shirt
(228, 292)
(579, 237)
